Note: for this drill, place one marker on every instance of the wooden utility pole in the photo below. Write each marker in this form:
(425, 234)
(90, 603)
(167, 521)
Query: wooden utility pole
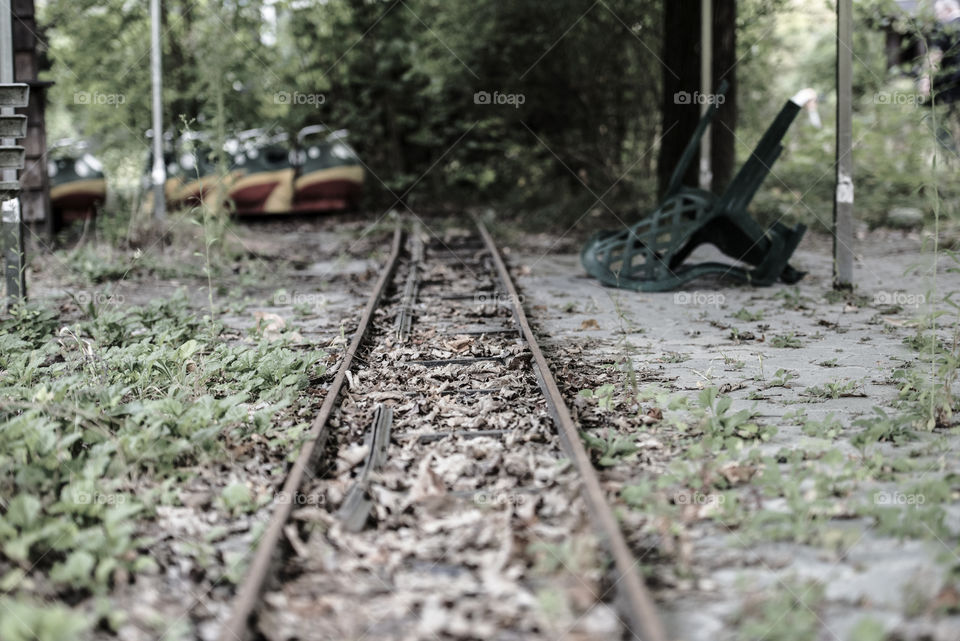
(843, 198)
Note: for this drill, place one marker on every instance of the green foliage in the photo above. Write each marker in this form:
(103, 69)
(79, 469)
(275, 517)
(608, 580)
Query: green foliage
(836, 389)
(868, 629)
(746, 315)
(237, 498)
(786, 341)
(793, 299)
(787, 612)
(400, 76)
(880, 427)
(24, 326)
(785, 50)
(611, 448)
(603, 395)
(25, 620)
(101, 49)
(829, 428)
(103, 263)
(720, 423)
(926, 388)
(109, 405)
(782, 378)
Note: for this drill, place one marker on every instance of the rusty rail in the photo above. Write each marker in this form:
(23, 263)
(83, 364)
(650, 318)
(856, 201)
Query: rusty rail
(245, 603)
(634, 599)
(637, 604)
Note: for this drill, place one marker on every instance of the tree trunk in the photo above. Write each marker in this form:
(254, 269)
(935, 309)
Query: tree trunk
(679, 114)
(722, 139)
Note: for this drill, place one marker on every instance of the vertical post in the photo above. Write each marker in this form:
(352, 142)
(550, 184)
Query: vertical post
(680, 73)
(723, 140)
(159, 171)
(14, 255)
(843, 198)
(706, 81)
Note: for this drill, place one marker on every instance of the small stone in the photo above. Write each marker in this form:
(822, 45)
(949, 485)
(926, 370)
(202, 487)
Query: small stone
(905, 217)
(601, 622)
(706, 585)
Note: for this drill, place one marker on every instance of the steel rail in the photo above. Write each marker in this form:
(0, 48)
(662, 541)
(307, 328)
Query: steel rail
(637, 602)
(245, 603)
(356, 505)
(408, 298)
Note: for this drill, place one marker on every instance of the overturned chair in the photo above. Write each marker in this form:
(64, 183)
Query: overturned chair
(649, 255)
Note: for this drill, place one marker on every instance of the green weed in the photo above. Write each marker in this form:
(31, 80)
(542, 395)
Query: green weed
(611, 449)
(92, 412)
(829, 428)
(786, 341)
(788, 612)
(603, 395)
(746, 315)
(719, 423)
(836, 389)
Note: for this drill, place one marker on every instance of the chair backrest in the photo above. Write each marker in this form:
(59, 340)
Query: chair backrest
(745, 184)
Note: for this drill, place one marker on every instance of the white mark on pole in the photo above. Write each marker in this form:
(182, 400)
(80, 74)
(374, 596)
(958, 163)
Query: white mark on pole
(11, 210)
(158, 174)
(845, 189)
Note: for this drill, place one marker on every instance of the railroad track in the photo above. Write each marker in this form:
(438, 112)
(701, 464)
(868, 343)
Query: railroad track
(446, 492)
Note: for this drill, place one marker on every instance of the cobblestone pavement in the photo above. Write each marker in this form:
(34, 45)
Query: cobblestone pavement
(840, 525)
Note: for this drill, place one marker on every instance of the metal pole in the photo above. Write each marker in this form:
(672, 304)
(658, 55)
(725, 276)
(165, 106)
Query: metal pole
(843, 201)
(706, 81)
(14, 255)
(159, 172)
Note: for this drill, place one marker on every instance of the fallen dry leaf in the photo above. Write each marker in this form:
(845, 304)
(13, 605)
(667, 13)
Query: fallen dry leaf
(428, 483)
(270, 325)
(736, 473)
(948, 600)
(459, 345)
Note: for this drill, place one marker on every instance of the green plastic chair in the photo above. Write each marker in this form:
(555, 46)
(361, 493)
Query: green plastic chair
(649, 255)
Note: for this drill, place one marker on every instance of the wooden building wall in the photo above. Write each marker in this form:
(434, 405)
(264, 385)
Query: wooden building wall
(28, 61)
